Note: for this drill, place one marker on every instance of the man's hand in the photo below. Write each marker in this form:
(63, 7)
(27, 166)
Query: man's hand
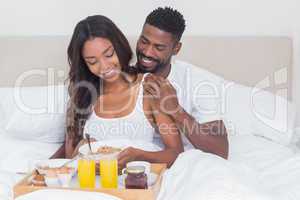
(127, 155)
(162, 94)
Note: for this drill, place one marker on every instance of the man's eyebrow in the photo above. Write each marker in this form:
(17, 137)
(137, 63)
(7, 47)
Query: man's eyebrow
(144, 38)
(160, 45)
(157, 45)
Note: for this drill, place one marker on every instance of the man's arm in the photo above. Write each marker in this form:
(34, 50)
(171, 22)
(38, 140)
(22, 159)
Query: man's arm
(209, 137)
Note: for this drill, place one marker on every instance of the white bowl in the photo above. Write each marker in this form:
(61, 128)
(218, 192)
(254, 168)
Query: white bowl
(52, 181)
(119, 143)
(65, 179)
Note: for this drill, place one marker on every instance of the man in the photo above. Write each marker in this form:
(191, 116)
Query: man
(157, 44)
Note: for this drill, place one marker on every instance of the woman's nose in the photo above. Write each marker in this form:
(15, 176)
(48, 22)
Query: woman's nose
(104, 65)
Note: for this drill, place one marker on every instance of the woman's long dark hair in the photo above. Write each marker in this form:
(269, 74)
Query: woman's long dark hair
(84, 86)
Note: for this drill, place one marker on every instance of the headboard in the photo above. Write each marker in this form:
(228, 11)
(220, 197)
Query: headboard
(42, 60)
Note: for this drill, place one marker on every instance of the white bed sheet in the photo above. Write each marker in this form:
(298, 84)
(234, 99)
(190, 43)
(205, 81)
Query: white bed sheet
(7, 181)
(17, 156)
(256, 152)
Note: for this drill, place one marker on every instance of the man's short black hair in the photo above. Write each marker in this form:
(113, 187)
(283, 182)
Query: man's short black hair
(168, 20)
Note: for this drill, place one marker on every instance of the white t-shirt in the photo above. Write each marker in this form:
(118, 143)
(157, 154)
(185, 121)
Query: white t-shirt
(198, 91)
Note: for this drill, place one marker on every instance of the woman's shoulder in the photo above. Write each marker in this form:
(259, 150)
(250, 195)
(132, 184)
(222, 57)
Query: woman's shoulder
(135, 78)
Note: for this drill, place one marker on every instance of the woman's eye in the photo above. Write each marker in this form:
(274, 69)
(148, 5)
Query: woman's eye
(91, 63)
(110, 54)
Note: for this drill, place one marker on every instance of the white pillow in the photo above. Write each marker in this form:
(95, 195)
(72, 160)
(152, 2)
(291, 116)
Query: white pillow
(6, 107)
(35, 113)
(258, 112)
(273, 117)
(236, 110)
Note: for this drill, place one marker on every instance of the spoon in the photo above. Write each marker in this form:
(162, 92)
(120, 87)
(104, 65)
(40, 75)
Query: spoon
(89, 142)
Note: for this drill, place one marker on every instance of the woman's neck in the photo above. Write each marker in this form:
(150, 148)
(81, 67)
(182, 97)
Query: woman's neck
(116, 86)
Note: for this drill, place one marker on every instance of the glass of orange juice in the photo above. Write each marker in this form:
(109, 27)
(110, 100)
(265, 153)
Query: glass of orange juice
(109, 170)
(86, 171)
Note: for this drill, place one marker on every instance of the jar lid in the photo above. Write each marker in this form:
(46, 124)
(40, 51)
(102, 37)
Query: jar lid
(135, 169)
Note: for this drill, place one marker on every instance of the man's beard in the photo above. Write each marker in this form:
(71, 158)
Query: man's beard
(143, 69)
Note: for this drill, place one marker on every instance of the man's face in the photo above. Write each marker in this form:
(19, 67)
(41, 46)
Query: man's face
(155, 49)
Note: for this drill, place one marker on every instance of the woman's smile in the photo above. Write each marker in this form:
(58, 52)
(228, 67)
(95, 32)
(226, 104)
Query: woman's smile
(110, 73)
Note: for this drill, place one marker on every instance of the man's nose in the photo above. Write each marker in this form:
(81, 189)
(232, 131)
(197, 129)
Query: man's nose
(148, 51)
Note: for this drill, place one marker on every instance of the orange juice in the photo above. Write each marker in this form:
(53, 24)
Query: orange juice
(109, 173)
(86, 173)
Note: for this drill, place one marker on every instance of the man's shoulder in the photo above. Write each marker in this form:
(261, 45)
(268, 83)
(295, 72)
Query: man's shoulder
(183, 68)
(183, 65)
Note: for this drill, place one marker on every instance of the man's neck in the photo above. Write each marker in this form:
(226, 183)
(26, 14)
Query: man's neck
(164, 72)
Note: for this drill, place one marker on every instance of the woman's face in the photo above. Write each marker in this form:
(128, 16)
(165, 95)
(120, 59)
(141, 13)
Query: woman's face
(101, 58)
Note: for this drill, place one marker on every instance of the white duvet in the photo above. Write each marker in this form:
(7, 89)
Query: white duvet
(257, 169)
(282, 179)
(198, 175)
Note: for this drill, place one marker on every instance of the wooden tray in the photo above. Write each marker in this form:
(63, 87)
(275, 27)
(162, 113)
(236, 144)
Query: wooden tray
(24, 187)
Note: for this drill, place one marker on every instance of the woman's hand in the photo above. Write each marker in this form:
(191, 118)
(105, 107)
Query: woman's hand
(127, 155)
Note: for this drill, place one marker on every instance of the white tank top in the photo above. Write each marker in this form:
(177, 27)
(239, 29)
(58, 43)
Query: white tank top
(134, 126)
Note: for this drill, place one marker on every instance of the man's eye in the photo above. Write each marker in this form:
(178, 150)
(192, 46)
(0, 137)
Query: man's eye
(160, 48)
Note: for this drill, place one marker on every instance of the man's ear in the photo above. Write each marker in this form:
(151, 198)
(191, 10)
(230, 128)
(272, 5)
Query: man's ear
(177, 48)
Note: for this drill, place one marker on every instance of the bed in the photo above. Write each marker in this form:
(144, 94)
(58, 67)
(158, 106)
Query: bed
(261, 145)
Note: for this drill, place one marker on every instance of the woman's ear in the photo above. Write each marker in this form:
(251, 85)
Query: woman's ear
(177, 48)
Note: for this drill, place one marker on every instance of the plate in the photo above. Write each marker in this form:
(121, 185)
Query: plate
(151, 178)
(51, 194)
(55, 163)
(122, 144)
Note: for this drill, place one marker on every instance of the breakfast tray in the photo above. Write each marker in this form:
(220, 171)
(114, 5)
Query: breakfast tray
(25, 186)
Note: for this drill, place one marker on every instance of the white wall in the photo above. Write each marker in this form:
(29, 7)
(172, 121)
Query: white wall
(204, 17)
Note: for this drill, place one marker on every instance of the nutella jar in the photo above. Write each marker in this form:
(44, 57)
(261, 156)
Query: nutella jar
(136, 178)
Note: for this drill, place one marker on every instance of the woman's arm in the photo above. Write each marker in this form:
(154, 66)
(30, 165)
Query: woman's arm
(170, 137)
(60, 153)
(67, 149)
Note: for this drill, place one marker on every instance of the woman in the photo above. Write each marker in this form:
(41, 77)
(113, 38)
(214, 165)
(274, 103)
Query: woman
(106, 94)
